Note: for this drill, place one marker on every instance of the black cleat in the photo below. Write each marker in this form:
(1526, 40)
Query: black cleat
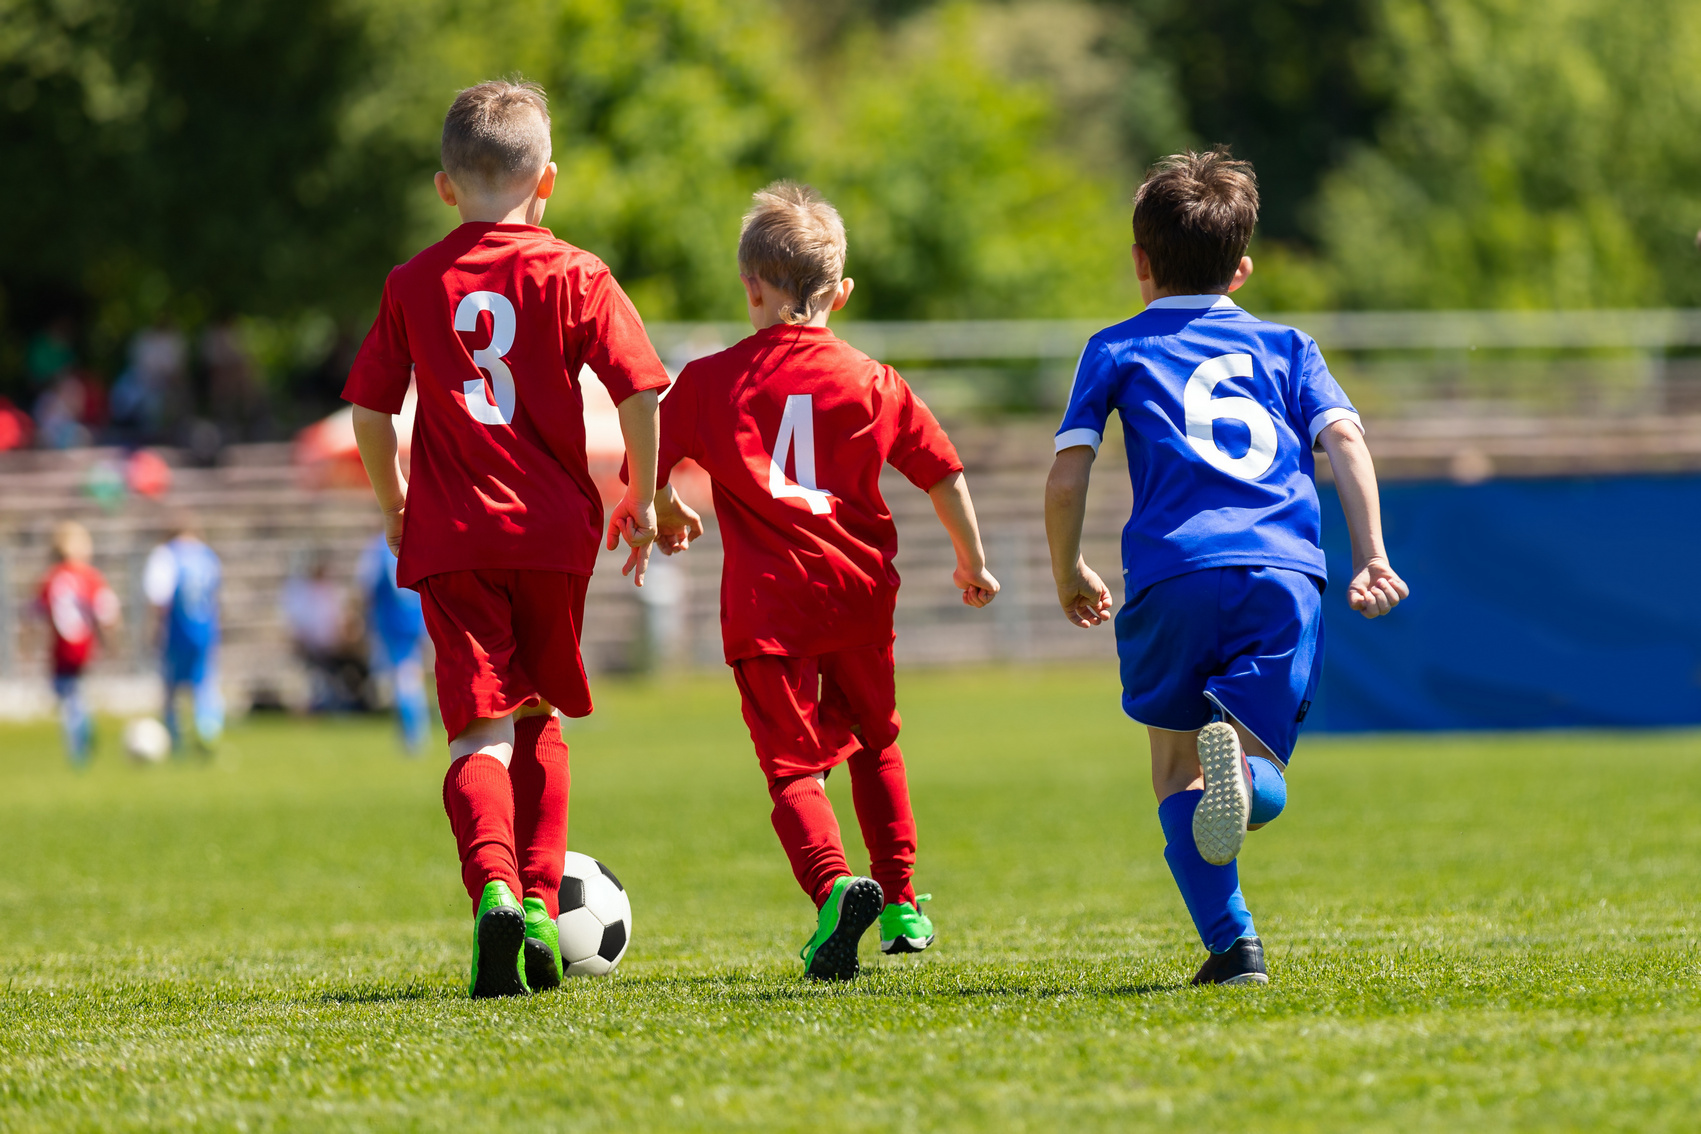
(1242, 964)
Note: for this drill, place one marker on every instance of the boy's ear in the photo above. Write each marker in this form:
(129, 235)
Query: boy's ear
(1241, 274)
(1142, 264)
(846, 286)
(445, 188)
(546, 182)
(752, 289)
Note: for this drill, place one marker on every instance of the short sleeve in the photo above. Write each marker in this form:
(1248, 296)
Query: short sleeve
(1091, 397)
(920, 450)
(678, 424)
(618, 349)
(159, 576)
(378, 380)
(1322, 402)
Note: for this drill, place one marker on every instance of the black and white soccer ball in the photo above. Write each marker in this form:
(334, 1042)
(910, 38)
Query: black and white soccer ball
(596, 917)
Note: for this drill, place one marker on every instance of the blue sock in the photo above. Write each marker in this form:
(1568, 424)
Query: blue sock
(1269, 789)
(1212, 893)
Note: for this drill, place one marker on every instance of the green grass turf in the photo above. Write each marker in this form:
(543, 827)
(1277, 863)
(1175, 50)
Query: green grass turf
(1464, 932)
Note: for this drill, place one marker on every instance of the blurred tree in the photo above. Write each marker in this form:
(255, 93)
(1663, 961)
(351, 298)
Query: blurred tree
(188, 159)
(1539, 153)
(1281, 81)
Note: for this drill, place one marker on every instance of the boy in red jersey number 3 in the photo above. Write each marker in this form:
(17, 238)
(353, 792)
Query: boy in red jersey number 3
(499, 526)
(793, 426)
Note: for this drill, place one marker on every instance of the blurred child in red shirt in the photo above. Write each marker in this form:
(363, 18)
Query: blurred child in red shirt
(78, 607)
(498, 528)
(793, 426)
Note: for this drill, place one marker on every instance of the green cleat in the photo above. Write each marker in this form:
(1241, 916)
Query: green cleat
(845, 916)
(904, 928)
(499, 929)
(543, 947)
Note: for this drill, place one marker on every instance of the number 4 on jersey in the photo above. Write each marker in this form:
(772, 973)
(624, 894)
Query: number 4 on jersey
(796, 440)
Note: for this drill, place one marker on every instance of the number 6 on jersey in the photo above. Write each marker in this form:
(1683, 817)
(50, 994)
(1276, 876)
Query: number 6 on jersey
(796, 440)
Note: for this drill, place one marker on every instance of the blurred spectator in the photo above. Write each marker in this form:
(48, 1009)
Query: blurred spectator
(395, 627)
(182, 581)
(234, 394)
(78, 607)
(50, 353)
(314, 611)
(16, 428)
(152, 395)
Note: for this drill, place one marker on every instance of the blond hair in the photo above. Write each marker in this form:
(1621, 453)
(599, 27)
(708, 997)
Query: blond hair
(72, 542)
(794, 240)
(496, 134)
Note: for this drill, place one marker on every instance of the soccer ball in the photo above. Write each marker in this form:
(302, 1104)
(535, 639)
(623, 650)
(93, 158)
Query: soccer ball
(596, 917)
(146, 740)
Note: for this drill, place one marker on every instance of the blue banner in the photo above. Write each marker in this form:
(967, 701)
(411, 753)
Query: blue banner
(1535, 604)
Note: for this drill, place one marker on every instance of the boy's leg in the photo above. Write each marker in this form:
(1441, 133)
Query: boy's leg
(208, 700)
(478, 796)
(74, 719)
(857, 687)
(542, 782)
(781, 703)
(411, 711)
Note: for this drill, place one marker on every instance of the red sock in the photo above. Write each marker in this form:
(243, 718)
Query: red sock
(541, 781)
(809, 832)
(881, 792)
(479, 798)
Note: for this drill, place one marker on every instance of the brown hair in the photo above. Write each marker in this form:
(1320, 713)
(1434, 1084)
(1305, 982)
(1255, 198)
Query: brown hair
(496, 133)
(1194, 215)
(794, 240)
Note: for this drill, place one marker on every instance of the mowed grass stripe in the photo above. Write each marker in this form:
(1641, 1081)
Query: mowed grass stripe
(1465, 932)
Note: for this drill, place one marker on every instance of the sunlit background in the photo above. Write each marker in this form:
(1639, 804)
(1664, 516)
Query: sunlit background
(1485, 210)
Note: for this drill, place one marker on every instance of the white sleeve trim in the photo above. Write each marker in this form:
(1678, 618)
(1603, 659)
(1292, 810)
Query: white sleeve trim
(1329, 417)
(159, 577)
(1070, 438)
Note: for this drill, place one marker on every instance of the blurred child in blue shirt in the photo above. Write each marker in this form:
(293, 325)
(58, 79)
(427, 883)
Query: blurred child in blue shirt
(396, 625)
(1220, 635)
(182, 580)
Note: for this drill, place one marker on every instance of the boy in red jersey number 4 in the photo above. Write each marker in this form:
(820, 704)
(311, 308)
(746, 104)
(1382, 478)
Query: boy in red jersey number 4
(498, 528)
(793, 426)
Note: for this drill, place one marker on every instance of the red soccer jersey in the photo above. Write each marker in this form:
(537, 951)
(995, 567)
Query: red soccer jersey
(495, 322)
(75, 599)
(793, 425)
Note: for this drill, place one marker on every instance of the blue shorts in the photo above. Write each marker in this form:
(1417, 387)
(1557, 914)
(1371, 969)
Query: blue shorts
(184, 666)
(1246, 640)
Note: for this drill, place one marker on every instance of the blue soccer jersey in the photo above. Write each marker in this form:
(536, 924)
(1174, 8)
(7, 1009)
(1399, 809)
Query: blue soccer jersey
(1220, 411)
(183, 576)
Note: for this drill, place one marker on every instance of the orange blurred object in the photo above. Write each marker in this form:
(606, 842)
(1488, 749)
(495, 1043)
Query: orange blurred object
(146, 473)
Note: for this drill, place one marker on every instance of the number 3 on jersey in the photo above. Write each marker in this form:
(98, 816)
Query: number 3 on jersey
(1203, 411)
(489, 358)
(796, 440)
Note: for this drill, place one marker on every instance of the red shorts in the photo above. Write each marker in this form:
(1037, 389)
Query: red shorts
(504, 639)
(810, 714)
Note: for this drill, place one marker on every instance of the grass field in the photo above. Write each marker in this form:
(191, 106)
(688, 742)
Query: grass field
(1486, 933)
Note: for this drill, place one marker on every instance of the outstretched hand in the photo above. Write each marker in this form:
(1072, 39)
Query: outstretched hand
(634, 522)
(1376, 590)
(1085, 599)
(978, 587)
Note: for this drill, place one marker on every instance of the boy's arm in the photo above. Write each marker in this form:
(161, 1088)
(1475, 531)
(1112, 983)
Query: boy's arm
(375, 434)
(634, 518)
(1084, 597)
(1375, 589)
(957, 512)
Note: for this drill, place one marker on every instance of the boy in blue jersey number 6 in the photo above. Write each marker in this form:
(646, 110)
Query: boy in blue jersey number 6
(1221, 633)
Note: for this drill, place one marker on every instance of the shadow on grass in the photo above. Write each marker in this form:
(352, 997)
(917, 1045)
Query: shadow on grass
(744, 988)
(381, 994)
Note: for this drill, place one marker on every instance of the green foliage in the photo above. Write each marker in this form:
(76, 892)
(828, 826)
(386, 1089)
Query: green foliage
(1537, 153)
(189, 159)
(1465, 933)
